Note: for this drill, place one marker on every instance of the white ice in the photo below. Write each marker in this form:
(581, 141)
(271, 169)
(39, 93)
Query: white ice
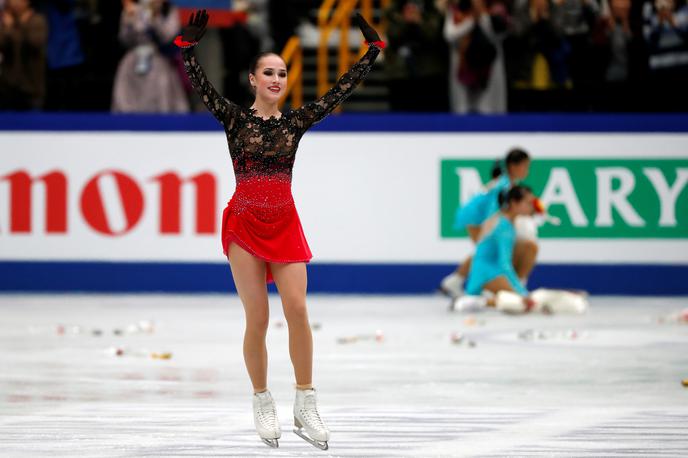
(613, 390)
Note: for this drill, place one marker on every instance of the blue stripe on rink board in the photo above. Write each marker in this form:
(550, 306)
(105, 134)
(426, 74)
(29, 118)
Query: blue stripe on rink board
(140, 277)
(623, 123)
(208, 4)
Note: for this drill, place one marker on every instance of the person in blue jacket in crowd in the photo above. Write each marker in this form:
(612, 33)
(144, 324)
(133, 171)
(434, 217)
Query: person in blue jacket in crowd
(507, 172)
(65, 54)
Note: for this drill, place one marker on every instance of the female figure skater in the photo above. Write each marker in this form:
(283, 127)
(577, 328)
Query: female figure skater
(471, 216)
(261, 232)
(492, 268)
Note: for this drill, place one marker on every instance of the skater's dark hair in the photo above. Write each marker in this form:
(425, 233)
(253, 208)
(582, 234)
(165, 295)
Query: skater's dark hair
(514, 157)
(497, 168)
(254, 62)
(516, 193)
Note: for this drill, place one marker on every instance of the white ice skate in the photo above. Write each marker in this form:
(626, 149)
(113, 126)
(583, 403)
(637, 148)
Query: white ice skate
(452, 285)
(560, 301)
(265, 417)
(307, 422)
(468, 304)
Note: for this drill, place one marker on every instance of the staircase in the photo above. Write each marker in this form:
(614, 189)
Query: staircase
(372, 95)
(368, 97)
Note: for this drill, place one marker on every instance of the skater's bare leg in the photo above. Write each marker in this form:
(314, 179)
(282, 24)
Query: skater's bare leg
(513, 304)
(452, 284)
(494, 286)
(525, 254)
(465, 267)
(249, 278)
(291, 280)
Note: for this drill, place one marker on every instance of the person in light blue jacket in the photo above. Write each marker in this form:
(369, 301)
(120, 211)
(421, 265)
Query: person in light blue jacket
(471, 216)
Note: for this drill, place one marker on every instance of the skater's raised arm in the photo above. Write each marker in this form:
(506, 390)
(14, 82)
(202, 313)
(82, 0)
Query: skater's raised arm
(223, 110)
(314, 112)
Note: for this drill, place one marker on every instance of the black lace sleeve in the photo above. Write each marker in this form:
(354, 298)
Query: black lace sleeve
(224, 111)
(314, 112)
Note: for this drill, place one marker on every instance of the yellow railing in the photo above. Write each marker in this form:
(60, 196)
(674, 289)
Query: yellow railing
(293, 57)
(336, 15)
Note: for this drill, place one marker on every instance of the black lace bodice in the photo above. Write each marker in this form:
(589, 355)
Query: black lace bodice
(268, 146)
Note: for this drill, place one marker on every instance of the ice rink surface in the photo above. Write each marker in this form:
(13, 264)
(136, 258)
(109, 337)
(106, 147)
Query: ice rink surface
(410, 380)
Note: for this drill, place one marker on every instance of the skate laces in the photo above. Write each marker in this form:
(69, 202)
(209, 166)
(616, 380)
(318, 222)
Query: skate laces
(266, 412)
(310, 412)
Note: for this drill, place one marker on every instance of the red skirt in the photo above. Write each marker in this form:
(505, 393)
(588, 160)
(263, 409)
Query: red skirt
(261, 218)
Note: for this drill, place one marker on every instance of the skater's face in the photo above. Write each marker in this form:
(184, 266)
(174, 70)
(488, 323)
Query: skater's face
(270, 78)
(519, 171)
(523, 206)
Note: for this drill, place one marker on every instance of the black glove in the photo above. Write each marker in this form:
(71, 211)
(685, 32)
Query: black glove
(196, 27)
(369, 33)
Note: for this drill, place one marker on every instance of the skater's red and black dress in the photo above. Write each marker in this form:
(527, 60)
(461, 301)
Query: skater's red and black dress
(261, 216)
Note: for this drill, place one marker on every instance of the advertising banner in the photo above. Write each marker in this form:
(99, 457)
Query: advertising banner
(594, 198)
(362, 197)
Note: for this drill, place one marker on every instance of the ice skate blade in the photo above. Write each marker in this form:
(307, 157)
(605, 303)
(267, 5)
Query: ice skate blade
(321, 445)
(452, 305)
(274, 443)
(446, 292)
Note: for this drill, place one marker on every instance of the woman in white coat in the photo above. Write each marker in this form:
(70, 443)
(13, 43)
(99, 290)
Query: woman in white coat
(482, 91)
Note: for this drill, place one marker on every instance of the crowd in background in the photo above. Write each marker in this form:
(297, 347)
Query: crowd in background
(99, 55)
(578, 55)
(464, 56)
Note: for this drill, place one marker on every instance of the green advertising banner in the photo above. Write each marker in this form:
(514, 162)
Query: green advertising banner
(594, 198)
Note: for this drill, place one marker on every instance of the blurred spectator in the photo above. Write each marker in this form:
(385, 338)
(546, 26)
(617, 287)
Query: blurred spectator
(577, 19)
(23, 35)
(240, 43)
(539, 48)
(477, 76)
(65, 55)
(617, 28)
(258, 22)
(612, 39)
(99, 23)
(285, 16)
(415, 60)
(148, 77)
(666, 33)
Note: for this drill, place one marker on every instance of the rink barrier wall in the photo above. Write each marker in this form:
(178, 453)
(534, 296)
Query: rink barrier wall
(371, 276)
(125, 277)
